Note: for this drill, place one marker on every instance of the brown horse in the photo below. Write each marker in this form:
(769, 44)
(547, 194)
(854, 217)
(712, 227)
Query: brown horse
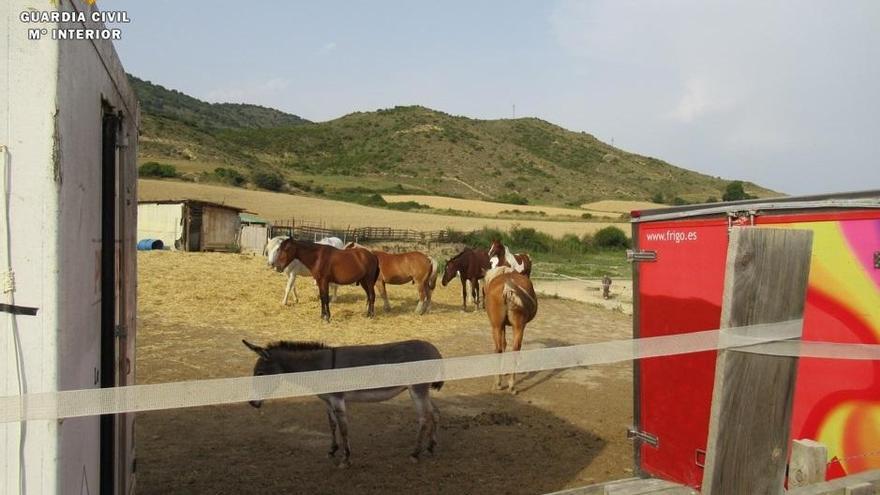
(521, 262)
(470, 265)
(330, 265)
(510, 300)
(403, 268)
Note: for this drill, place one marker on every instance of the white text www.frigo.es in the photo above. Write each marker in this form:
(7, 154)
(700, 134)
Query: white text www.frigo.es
(675, 236)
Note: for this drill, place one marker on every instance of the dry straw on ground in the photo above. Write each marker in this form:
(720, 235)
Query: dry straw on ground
(210, 301)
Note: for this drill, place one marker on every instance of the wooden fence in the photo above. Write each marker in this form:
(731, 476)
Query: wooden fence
(314, 231)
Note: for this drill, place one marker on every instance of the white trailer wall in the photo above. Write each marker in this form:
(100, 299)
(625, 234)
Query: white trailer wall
(54, 95)
(160, 221)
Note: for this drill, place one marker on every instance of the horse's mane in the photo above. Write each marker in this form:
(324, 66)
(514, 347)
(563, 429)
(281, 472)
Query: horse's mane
(286, 345)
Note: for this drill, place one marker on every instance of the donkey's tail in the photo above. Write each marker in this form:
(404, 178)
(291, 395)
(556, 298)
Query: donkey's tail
(432, 277)
(516, 296)
(437, 385)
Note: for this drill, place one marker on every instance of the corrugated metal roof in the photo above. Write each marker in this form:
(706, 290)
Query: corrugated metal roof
(190, 201)
(251, 218)
(860, 199)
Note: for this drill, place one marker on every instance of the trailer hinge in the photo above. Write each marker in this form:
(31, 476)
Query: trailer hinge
(633, 255)
(643, 436)
(120, 331)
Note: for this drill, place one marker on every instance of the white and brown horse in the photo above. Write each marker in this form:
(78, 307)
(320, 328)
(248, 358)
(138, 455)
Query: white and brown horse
(296, 267)
(329, 265)
(499, 255)
(510, 301)
(403, 268)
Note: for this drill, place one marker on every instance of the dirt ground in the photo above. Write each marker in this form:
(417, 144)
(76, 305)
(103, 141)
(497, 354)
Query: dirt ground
(590, 291)
(565, 428)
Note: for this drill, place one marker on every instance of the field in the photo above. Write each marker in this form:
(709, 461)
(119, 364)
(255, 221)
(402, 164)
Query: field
(491, 208)
(276, 206)
(565, 428)
(618, 207)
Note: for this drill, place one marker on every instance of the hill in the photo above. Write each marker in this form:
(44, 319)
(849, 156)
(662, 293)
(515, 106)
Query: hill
(409, 150)
(158, 101)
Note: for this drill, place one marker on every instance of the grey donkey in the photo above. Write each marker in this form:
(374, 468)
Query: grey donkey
(292, 357)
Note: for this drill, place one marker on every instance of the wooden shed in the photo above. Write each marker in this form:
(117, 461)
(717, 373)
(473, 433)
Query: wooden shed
(190, 225)
(254, 233)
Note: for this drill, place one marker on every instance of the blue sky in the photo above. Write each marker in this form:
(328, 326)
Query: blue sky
(786, 94)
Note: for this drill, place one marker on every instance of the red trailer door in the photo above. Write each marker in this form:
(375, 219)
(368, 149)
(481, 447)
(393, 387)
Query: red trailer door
(679, 292)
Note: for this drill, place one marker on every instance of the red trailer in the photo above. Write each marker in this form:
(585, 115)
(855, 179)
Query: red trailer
(679, 261)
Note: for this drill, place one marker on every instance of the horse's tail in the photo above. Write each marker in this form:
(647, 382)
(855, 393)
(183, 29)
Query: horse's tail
(437, 385)
(432, 277)
(517, 297)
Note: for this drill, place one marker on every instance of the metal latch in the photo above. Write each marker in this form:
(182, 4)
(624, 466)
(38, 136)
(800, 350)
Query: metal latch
(740, 219)
(120, 331)
(643, 436)
(877, 260)
(633, 255)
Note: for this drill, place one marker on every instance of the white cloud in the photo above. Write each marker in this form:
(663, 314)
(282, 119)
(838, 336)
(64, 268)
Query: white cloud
(329, 46)
(700, 98)
(768, 89)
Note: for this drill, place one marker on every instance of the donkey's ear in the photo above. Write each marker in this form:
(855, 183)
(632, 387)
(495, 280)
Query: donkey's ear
(259, 350)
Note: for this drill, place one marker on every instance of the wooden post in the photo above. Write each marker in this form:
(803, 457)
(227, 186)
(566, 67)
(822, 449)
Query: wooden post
(809, 460)
(765, 282)
(860, 489)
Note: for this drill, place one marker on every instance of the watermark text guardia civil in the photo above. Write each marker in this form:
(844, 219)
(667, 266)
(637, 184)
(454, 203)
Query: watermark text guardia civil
(71, 25)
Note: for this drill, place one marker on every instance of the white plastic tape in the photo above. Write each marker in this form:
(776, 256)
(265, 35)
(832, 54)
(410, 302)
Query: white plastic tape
(767, 339)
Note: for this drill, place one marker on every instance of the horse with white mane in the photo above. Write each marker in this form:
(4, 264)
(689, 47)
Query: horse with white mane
(296, 267)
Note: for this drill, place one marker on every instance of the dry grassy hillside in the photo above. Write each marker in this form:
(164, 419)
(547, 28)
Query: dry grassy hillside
(619, 207)
(493, 208)
(336, 213)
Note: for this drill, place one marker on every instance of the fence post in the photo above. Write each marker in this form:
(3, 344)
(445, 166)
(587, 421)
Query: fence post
(765, 282)
(808, 463)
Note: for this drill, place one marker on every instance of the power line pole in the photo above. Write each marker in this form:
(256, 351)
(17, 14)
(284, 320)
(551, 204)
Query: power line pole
(514, 110)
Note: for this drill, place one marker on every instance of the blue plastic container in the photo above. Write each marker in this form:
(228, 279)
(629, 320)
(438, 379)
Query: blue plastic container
(150, 244)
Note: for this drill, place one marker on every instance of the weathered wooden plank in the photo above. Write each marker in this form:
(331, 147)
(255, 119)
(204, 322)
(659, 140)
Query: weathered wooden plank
(765, 282)
(860, 489)
(630, 486)
(809, 461)
(840, 485)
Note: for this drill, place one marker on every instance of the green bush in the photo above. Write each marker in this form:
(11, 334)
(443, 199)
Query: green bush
(154, 169)
(528, 239)
(267, 180)
(611, 237)
(406, 206)
(735, 192)
(229, 176)
(512, 198)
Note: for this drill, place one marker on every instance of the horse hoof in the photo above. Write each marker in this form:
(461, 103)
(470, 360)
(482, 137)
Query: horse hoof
(513, 391)
(414, 458)
(344, 465)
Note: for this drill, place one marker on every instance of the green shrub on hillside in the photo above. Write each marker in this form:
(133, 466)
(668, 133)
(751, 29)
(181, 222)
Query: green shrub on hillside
(267, 180)
(511, 198)
(154, 169)
(735, 192)
(611, 237)
(228, 176)
(406, 206)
